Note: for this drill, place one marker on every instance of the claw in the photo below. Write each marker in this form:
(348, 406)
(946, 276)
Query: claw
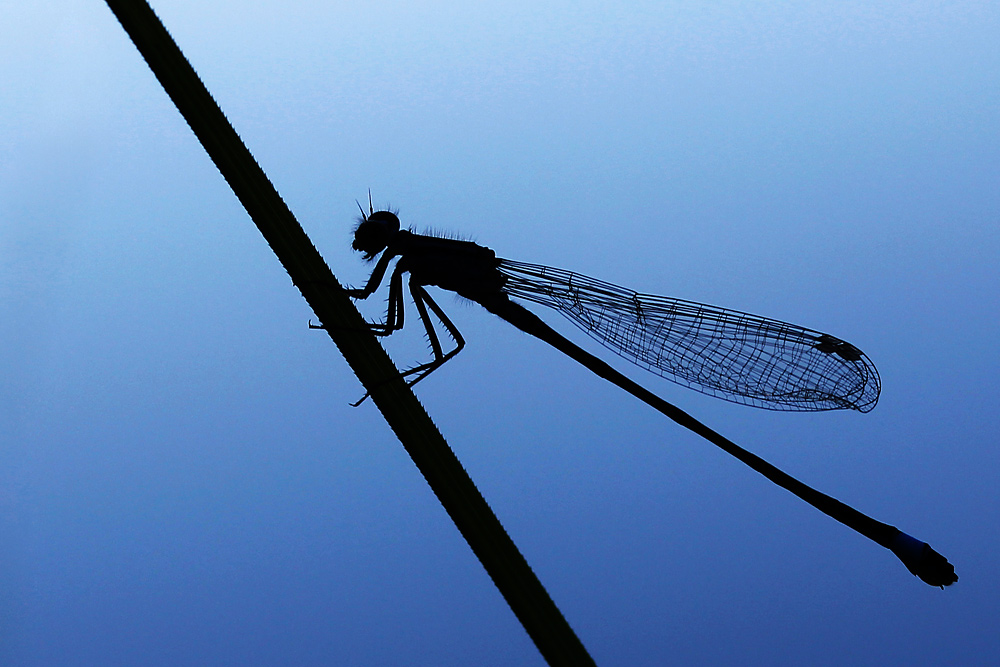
(361, 400)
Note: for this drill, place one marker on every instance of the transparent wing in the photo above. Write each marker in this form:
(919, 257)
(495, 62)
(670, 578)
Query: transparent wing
(724, 353)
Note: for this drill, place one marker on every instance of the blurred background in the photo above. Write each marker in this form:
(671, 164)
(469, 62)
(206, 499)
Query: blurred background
(182, 480)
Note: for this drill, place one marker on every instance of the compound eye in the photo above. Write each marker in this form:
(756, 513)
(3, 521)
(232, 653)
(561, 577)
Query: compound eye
(387, 219)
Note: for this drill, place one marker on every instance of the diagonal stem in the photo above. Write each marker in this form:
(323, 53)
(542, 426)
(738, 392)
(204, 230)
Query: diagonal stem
(444, 473)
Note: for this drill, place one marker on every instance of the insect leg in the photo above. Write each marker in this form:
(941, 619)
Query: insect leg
(394, 322)
(394, 313)
(374, 280)
(422, 300)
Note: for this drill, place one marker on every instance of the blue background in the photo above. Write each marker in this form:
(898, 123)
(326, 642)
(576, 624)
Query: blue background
(182, 480)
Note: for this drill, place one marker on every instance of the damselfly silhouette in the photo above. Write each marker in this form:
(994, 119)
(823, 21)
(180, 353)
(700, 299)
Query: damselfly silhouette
(735, 356)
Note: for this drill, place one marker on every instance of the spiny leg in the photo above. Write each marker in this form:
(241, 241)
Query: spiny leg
(421, 299)
(394, 312)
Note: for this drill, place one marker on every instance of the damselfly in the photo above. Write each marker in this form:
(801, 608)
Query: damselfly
(732, 355)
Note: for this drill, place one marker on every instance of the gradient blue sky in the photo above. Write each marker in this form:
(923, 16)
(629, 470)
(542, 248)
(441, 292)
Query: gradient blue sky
(182, 480)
